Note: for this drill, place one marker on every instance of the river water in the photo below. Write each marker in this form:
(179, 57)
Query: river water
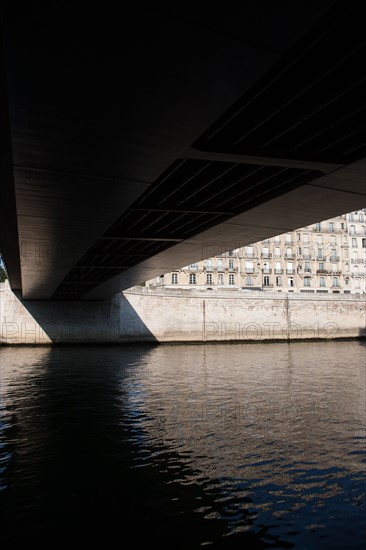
(187, 446)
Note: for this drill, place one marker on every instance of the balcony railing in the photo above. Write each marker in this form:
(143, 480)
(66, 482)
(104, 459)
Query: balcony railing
(328, 230)
(277, 271)
(358, 232)
(189, 269)
(328, 272)
(289, 257)
(266, 255)
(290, 271)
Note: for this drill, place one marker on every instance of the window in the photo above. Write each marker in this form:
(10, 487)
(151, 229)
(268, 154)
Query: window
(266, 280)
(248, 280)
(231, 264)
(278, 280)
(351, 217)
(306, 253)
(249, 267)
(335, 281)
(277, 252)
(277, 239)
(208, 279)
(288, 237)
(208, 264)
(307, 267)
(320, 254)
(278, 267)
(219, 264)
(220, 279)
(249, 252)
(363, 243)
(174, 278)
(318, 226)
(192, 278)
(193, 266)
(305, 237)
(265, 252)
(322, 281)
(321, 266)
(288, 252)
(298, 236)
(361, 217)
(354, 243)
(289, 268)
(331, 226)
(319, 239)
(332, 239)
(347, 280)
(355, 270)
(334, 267)
(290, 281)
(231, 279)
(306, 281)
(352, 230)
(342, 225)
(333, 254)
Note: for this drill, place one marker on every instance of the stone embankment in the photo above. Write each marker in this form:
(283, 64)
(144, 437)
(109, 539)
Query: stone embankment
(162, 315)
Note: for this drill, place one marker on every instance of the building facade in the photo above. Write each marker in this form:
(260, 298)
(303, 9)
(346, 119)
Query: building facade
(326, 257)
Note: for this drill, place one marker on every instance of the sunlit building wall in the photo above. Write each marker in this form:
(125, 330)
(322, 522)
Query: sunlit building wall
(326, 257)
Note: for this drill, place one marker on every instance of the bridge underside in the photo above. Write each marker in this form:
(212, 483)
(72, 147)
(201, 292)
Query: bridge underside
(140, 141)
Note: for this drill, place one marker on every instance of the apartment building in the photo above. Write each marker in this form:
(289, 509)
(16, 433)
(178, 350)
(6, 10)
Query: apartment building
(326, 257)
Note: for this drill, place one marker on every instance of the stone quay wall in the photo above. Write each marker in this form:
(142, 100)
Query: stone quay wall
(162, 315)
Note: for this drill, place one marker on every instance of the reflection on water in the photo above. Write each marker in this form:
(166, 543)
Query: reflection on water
(188, 446)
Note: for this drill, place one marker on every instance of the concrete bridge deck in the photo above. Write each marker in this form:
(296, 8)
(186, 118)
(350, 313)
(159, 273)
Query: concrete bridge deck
(133, 139)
